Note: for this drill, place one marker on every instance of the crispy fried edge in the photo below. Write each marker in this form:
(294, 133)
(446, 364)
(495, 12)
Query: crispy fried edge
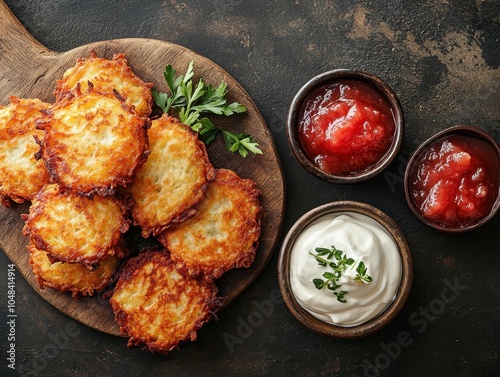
(52, 160)
(91, 263)
(212, 305)
(245, 258)
(186, 212)
(75, 292)
(7, 199)
(120, 58)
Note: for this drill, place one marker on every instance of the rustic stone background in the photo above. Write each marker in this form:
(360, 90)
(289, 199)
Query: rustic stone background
(442, 59)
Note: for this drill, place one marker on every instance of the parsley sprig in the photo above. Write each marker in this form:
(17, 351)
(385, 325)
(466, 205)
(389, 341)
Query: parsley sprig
(191, 100)
(337, 260)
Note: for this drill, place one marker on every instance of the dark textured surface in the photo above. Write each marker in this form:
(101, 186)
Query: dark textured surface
(442, 59)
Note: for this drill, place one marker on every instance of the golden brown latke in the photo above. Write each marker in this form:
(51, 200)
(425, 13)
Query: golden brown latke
(108, 76)
(73, 228)
(21, 175)
(225, 231)
(73, 277)
(169, 186)
(157, 306)
(93, 142)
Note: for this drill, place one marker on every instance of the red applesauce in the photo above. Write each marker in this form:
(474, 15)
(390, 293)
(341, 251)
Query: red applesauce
(345, 127)
(455, 182)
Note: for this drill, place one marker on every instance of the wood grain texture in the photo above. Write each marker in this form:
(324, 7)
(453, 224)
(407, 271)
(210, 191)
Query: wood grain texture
(28, 69)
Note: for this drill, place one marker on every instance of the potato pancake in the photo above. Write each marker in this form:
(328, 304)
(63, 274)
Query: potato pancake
(72, 277)
(73, 228)
(225, 231)
(21, 175)
(157, 306)
(169, 186)
(93, 142)
(108, 76)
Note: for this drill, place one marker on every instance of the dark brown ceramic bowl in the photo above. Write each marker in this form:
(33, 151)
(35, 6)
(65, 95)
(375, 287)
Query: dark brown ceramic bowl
(467, 131)
(333, 76)
(372, 325)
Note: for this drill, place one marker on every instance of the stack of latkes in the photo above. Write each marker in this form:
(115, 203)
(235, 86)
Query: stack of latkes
(93, 163)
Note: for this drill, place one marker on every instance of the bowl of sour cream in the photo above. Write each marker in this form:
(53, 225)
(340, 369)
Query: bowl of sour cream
(345, 269)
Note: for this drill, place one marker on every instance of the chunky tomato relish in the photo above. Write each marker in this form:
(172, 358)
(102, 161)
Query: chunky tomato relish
(455, 182)
(346, 127)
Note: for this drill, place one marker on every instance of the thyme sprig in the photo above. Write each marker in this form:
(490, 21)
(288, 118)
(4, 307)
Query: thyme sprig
(361, 275)
(191, 100)
(337, 260)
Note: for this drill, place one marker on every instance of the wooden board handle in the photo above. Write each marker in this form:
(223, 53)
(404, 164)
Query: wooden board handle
(23, 60)
(14, 36)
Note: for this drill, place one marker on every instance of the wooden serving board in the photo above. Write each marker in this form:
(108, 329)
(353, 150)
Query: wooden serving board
(29, 70)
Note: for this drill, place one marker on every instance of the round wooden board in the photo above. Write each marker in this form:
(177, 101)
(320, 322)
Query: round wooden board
(29, 70)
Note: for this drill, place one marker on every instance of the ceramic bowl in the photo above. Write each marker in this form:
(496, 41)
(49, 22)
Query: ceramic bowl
(464, 130)
(372, 325)
(339, 75)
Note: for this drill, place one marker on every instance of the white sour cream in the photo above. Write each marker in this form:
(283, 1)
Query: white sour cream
(360, 238)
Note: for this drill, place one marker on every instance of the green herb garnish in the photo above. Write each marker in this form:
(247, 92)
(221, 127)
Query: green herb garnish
(361, 274)
(191, 100)
(337, 260)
